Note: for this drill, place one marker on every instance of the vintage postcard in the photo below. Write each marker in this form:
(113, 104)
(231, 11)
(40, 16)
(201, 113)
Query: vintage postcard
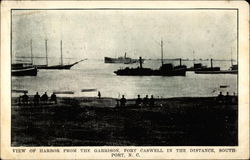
(124, 80)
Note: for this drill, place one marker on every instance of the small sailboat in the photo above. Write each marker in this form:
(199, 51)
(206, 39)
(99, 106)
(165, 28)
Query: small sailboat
(24, 69)
(61, 66)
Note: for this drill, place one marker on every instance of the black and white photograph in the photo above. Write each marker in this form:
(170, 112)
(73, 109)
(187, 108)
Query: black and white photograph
(122, 77)
(126, 76)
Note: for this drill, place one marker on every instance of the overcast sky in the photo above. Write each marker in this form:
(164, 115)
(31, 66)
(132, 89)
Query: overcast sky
(99, 33)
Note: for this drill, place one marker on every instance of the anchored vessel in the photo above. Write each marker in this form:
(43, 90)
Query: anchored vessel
(164, 70)
(216, 70)
(60, 66)
(23, 69)
(125, 60)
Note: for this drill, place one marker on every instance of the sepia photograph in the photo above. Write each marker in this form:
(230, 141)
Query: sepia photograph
(131, 76)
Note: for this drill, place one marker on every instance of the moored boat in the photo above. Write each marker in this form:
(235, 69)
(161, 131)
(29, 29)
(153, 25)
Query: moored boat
(23, 69)
(216, 70)
(60, 66)
(164, 70)
(125, 60)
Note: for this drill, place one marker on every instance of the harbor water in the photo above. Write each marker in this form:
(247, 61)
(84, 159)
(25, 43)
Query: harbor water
(95, 74)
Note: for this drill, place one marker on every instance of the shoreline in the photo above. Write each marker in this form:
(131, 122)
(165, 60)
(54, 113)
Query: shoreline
(186, 121)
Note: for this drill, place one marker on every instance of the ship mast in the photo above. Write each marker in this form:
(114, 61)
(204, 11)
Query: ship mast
(31, 54)
(211, 63)
(193, 58)
(161, 52)
(61, 54)
(231, 58)
(46, 51)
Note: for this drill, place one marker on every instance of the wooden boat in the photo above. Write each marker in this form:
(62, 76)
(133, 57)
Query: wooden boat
(61, 66)
(23, 69)
(164, 70)
(58, 66)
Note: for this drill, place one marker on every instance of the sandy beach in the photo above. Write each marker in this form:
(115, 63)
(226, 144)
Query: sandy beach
(89, 121)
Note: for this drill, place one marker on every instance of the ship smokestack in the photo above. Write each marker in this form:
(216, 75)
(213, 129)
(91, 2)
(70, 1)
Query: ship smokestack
(140, 62)
(180, 61)
(211, 63)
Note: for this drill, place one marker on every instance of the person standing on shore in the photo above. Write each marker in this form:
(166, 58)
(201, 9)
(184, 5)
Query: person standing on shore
(53, 98)
(25, 98)
(138, 100)
(44, 97)
(36, 98)
(99, 94)
(123, 101)
(145, 100)
(152, 101)
(228, 98)
(220, 98)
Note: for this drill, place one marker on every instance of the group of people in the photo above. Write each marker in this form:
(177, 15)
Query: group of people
(37, 98)
(139, 101)
(227, 99)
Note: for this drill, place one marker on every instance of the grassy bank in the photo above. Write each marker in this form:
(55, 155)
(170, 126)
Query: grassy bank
(97, 122)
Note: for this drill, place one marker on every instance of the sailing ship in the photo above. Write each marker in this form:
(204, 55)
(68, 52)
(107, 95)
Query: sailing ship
(60, 66)
(164, 70)
(24, 69)
(125, 60)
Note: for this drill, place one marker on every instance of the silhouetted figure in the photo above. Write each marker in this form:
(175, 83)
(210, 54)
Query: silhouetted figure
(234, 99)
(227, 99)
(19, 100)
(25, 98)
(220, 98)
(53, 98)
(138, 101)
(145, 100)
(99, 94)
(152, 101)
(123, 101)
(44, 98)
(36, 98)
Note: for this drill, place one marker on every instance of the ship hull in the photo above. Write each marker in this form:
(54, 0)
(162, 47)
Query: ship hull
(217, 72)
(208, 69)
(24, 72)
(56, 67)
(149, 72)
(120, 60)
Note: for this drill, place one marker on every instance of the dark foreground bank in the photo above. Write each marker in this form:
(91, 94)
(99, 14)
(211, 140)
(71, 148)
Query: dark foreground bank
(97, 122)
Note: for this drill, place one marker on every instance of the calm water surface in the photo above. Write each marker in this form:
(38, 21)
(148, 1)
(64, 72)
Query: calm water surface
(95, 74)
